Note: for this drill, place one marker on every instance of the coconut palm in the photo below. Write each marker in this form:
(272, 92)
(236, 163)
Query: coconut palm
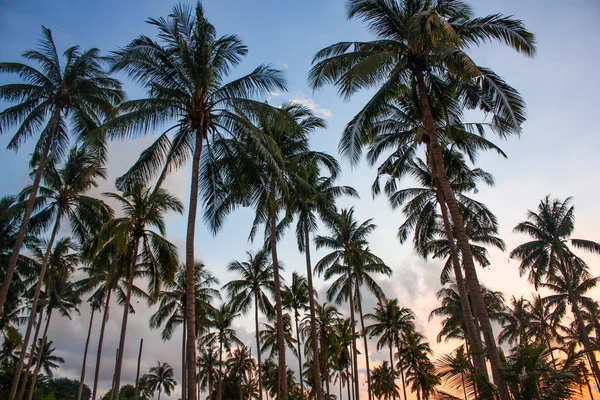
(241, 367)
(549, 261)
(161, 378)
(252, 289)
(389, 321)
(224, 336)
(94, 307)
(208, 365)
(308, 206)
(413, 355)
(185, 76)
(76, 94)
(384, 382)
(354, 263)
(46, 357)
(295, 297)
(253, 180)
(516, 322)
(423, 44)
(544, 320)
(171, 309)
(63, 196)
(269, 337)
(147, 250)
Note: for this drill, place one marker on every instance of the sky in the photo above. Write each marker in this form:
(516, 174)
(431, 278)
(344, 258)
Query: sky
(556, 153)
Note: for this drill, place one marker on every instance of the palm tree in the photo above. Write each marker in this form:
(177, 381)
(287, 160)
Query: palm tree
(200, 109)
(241, 368)
(59, 294)
(224, 335)
(384, 382)
(389, 321)
(354, 263)
(144, 248)
(456, 371)
(78, 94)
(413, 355)
(171, 309)
(296, 298)
(253, 289)
(270, 338)
(94, 307)
(161, 378)
(208, 362)
(423, 44)
(64, 196)
(516, 322)
(318, 202)
(44, 355)
(544, 320)
(549, 261)
(268, 182)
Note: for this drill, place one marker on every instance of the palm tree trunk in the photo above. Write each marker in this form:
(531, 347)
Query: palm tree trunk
(85, 351)
(392, 365)
(471, 331)
(354, 352)
(313, 319)
(296, 314)
(100, 342)
(137, 374)
(14, 257)
(257, 330)
(30, 360)
(159, 394)
(439, 170)
(585, 339)
(34, 303)
(219, 384)
(348, 386)
(119, 363)
(282, 393)
(401, 371)
(183, 360)
(38, 364)
(340, 376)
(364, 334)
(190, 269)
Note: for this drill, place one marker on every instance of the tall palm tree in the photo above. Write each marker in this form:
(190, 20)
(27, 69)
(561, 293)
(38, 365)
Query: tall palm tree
(144, 249)
(308, 206)
(384, 382)
(270, 338)
(423, 45)
(224, 336)
(295, 297)
(208, 365)
(185, 76)
(59, 294)
(389, 321)
(241, 367)
(161, 378)
(252, 289)
(44, 355)
(63, 196)
(414, 359)
(354, 263)
(254, 180)
(544, 320)
(171, 309)
(548, 259)
(516, 322)
(76, 93)
(94, 308)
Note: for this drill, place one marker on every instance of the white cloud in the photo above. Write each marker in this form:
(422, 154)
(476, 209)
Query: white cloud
(310, 103)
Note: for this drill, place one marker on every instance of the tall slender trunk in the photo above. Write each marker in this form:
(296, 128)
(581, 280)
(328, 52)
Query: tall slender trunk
(137, 374)
(282, 393)
(100, 342)
(439, 170)
(30, 359)
(38, 364)
(472, 334)
(220, 383)
(34, 303)
(159, 394)
(183, 360)
(313, 319)
(190, 273)
(85, 351)
(258, 357)
(392, 365)
(354, 352)
(364, 335)
(348, 386)
(119, 363)
(14, 257)
(340, 376)
(297, 315)
(401, 370)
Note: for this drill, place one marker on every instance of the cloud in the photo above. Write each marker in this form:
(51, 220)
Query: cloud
(310, 103)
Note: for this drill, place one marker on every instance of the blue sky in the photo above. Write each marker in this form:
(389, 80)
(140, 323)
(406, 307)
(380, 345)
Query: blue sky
(556, 153)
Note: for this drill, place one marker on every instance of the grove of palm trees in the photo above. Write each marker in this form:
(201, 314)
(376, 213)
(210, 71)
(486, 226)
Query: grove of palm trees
(178, 219)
